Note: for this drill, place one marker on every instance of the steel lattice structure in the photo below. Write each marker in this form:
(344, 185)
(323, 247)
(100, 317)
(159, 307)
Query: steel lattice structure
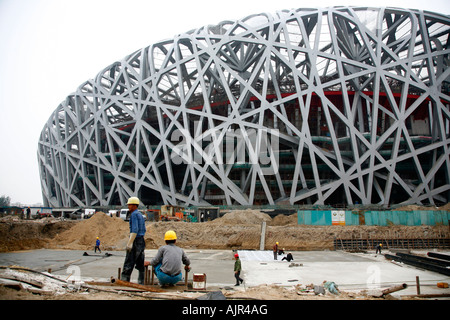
(307, 106)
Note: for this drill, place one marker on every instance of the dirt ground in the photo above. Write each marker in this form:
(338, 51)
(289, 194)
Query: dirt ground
(238, 229)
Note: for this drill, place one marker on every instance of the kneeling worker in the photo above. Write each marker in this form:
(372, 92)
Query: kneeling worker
(167, 262)
(136, 244)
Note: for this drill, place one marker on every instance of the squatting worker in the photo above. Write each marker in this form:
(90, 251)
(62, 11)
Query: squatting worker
(168, 259)
(136, 244)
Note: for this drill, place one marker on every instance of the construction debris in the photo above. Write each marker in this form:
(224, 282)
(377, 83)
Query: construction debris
(37, 282)
(292, 264)
(134, 285)
(234, 231)
(237, 229)
(45, 284)
(382, 293)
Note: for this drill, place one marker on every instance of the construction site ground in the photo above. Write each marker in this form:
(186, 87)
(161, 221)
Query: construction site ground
(67, 248)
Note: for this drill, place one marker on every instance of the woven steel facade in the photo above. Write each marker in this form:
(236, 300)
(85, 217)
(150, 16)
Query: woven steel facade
(342, 105)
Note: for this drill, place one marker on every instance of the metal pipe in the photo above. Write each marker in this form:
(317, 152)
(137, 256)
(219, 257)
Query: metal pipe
(439, 256)
(394, 288)
(418, 285)
(425, 259)
(419, 264)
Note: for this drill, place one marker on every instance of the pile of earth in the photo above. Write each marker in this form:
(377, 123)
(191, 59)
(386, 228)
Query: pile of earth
(112, 232)
(237, 229)
(16, 234)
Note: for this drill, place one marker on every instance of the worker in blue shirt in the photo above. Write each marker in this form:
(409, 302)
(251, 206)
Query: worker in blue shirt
(136, 244)
(97, 245)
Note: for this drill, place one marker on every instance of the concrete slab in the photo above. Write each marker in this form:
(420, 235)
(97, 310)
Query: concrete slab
(216, 264)
(350, 271)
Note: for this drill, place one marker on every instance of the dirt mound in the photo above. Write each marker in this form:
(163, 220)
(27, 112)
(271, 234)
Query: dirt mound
(445, 207)
(113, 233)
(16, 234)
(237, 229)
(284, 220)
(241, 217)
(207, 235)
(413, 207)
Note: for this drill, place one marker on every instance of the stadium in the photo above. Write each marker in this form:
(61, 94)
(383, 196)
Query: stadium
(331, 106)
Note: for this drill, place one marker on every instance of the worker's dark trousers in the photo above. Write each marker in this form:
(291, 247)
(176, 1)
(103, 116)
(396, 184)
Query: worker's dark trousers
(134, 258)
(238, 278)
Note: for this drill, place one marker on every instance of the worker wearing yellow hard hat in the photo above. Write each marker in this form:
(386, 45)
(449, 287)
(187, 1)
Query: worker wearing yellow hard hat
(275, 251)
(168, 260)
(97, 245)
(170, 235)
(378, 248)
(136, 245)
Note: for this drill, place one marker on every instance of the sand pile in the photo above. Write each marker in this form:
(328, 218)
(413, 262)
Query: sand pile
(413, 207)
(210, 235)
(284, 220)
(237, 229)
(16, 234)
(113, 233)
(242, 217)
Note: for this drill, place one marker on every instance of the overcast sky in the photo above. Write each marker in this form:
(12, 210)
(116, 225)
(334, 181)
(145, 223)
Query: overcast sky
(50, 47)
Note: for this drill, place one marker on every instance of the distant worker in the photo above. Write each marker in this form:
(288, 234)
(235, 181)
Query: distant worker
(97, 245)
(28, 213)
(379, 246)
(281, 252)
(237, 270)
(289, 257)
(168, 259)
(275, 251)
(136, 244)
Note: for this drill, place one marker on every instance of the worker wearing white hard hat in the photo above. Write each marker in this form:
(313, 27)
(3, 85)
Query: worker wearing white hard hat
(136, 244)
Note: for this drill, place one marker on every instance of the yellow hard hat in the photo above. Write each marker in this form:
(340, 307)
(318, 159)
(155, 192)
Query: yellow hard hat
(277, 242)
(133, 200)
(170, 235)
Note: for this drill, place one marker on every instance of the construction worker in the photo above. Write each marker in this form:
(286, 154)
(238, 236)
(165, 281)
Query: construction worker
(275, 251)
(168, 259)
(379, 246)
(237, 270)
(97, 245)
(136, 244)
(288, 258)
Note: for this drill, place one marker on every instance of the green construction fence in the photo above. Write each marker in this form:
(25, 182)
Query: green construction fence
(373, 218)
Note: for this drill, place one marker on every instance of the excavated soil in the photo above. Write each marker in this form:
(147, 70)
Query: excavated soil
(237, 229)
